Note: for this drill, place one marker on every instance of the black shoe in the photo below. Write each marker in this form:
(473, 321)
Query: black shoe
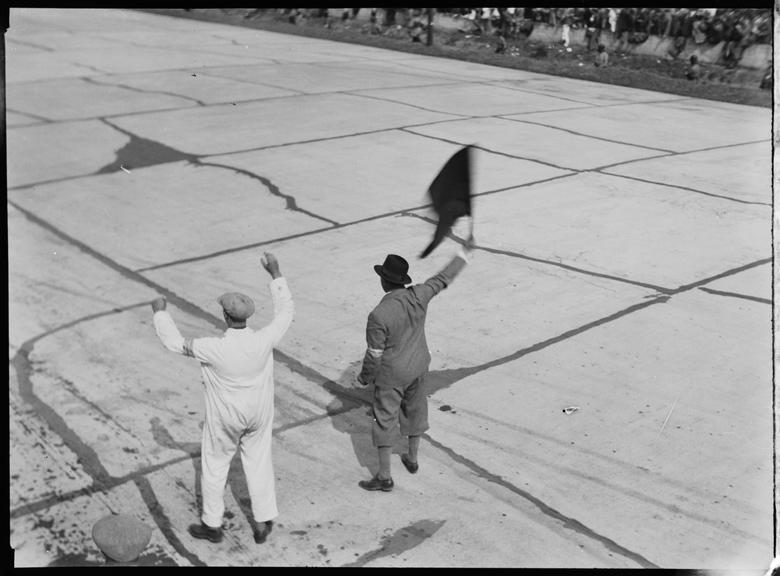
(204, 532)
(412, 467)
(377, 484)
(262, 530)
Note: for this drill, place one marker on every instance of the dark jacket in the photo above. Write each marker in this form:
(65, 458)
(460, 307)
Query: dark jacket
(396, 326)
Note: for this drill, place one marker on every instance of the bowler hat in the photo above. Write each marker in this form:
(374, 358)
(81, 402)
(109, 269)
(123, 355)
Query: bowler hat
(238, 306)
(394, 270)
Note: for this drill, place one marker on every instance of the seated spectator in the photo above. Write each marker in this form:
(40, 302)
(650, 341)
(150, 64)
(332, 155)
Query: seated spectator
(766, 81)
(602, 59)
(693, 71)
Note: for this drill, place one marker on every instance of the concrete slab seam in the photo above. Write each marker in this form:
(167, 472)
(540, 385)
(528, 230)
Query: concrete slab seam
(512, 254)
(574, 132)
(400, 212)
(736, 295)
(485, 149)
(685, 188)
(415, 106)
(566, 521)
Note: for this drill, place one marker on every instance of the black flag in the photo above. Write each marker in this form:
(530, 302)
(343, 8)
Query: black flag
(451, 194)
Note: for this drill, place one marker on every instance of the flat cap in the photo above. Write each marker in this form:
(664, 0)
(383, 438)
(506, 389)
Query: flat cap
(238, 306)
(122, 538)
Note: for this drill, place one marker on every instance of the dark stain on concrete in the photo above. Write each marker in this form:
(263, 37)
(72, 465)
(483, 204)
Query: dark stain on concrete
(140, 152)
(400, 541)
(87, 457)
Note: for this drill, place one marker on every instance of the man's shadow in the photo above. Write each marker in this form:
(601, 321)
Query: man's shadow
(236, 478)
(350, 412)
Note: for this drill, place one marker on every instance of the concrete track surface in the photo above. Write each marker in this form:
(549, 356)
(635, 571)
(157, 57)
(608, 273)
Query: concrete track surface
(624, 267)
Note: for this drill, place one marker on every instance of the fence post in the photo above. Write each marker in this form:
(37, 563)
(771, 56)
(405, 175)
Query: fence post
(430, 27)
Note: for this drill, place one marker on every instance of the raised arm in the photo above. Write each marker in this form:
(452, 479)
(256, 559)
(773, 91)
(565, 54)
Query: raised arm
(169, 335)
(435, 284)
(166, 328)
(284, 309)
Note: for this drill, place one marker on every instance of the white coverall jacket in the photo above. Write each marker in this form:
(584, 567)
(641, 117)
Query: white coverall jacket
(237, 371)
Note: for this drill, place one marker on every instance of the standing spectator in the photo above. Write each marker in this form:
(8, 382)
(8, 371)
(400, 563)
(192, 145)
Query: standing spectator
(625, 26)
(566, 22)
(682, 32)
(397, 358)
(375, 29)
(484, 20)
(592, 28)
(612, 20)
(700, 27)
(732, 50)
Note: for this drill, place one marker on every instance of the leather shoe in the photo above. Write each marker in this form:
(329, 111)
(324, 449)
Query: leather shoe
(412, 467)
(261, 530)
(205, 532)
(377, 483)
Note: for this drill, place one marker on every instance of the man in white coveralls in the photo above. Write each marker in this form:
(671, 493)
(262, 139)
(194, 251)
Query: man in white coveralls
(237, 371)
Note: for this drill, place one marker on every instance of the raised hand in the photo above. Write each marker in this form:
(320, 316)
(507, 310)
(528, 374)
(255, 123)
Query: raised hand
(271, 265)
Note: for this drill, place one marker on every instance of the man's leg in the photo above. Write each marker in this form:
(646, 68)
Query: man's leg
(217, 449)
(256, 459)
(383, 430)
(414, 444)
(414, 420)
(384, 462)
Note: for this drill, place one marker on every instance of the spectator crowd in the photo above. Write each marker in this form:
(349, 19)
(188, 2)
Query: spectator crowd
(737, 27)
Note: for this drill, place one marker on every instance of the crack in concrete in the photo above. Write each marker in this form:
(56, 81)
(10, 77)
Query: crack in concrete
(291, 204)
(142, 90)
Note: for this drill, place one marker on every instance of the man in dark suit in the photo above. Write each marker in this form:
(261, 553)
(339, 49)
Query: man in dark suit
(397, 359)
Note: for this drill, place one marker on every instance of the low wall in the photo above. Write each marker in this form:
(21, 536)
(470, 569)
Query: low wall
(756, 57)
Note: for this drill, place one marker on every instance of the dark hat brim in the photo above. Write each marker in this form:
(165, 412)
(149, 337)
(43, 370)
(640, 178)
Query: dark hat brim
(379, 269)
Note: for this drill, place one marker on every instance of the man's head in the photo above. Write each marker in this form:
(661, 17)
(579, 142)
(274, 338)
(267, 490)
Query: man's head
(236, 308)
(393, 272)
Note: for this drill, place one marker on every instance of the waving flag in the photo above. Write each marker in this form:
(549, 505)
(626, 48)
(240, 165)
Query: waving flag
(451, 195)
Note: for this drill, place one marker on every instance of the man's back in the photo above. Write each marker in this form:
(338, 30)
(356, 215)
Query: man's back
(397, 327)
